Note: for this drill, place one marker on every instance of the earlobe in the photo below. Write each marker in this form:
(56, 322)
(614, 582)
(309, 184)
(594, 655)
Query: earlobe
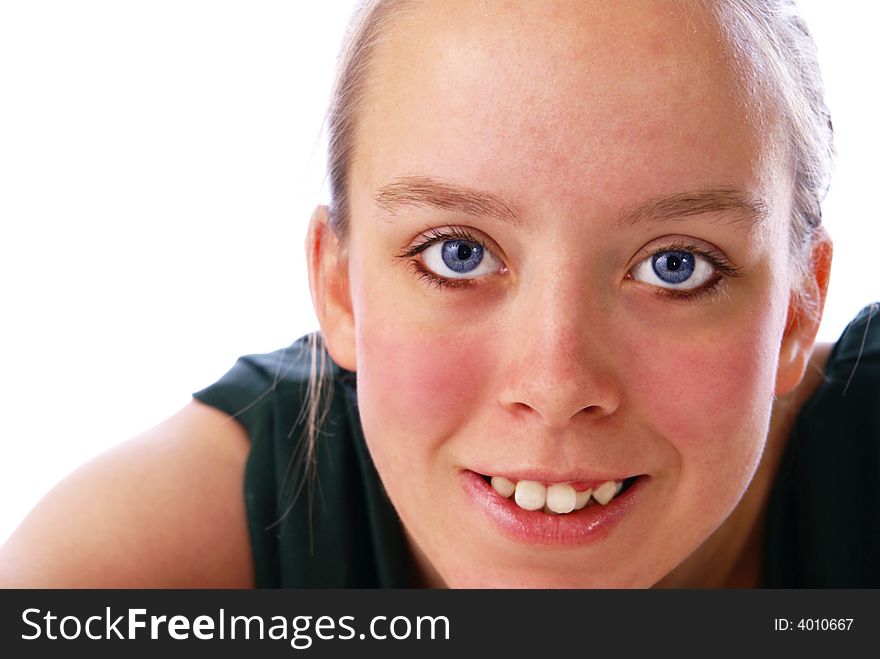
(804, 316)
(328, 280)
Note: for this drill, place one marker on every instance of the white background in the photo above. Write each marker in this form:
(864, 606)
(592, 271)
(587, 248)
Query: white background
(158, 165)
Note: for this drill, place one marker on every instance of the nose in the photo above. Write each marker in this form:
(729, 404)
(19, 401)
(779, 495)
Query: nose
(562, 364)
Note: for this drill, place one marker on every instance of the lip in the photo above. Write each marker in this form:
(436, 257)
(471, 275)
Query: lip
(579, 527)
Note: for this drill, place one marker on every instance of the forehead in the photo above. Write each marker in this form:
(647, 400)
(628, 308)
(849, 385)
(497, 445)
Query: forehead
(566, 101)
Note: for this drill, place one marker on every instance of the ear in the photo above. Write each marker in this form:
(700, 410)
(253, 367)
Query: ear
(804, 316)
(327, 261)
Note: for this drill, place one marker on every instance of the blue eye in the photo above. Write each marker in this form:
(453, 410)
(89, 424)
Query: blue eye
(459, 259)
(674, 269)
(461, 255)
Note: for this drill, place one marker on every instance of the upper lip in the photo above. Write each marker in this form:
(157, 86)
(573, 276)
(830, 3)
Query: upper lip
(546, 476)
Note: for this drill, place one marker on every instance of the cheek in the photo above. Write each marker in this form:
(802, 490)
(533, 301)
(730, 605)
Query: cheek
(709, 395)
(416, 384)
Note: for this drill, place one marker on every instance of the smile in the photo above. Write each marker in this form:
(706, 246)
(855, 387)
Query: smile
(542, 512)
(557, 498)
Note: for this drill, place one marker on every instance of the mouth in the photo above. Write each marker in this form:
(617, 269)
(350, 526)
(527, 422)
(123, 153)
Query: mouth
(558, 498)
(533, 511)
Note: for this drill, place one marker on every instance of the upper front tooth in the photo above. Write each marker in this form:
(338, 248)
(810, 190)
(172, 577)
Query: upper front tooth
(530, 495)
(504, 486)
(605, 492)
(561, 498)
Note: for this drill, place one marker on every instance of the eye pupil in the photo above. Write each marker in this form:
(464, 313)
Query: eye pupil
(673, 262)
(464, 252)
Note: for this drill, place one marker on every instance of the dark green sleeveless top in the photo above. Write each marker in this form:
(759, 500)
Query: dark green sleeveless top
(822, 525)
(339, 532)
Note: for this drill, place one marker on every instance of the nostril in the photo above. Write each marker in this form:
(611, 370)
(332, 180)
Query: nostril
(558, 381)
(556, 416)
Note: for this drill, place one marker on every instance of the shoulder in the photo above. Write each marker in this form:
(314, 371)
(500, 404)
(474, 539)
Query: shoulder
(164, 509)
(849, 377)
(822, 520)
(834, 366)
(260, 387)
(858, 348)
(839, 411)
(316, 510)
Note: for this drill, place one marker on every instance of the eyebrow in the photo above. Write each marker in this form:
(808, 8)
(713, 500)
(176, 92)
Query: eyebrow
(427, 191)
(430, 192)
(730, 203)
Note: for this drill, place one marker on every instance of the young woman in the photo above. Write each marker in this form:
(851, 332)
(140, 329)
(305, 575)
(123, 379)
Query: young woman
(569, 286)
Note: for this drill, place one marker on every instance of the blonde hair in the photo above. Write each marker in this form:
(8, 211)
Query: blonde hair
(772, 30)
(786, 59)
(365, 31)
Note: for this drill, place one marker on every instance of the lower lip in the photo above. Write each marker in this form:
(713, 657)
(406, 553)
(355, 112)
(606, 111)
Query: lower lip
(588, 524)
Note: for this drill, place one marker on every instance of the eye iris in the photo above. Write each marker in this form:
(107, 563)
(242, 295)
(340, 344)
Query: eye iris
(461, 255)
(674, 267)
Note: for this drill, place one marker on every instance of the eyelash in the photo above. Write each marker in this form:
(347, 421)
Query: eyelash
(722, 266)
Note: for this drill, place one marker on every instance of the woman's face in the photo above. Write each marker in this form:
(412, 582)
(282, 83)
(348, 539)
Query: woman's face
(587, 183)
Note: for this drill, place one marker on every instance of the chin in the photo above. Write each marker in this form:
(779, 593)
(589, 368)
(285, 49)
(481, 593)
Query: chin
(541, 579)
